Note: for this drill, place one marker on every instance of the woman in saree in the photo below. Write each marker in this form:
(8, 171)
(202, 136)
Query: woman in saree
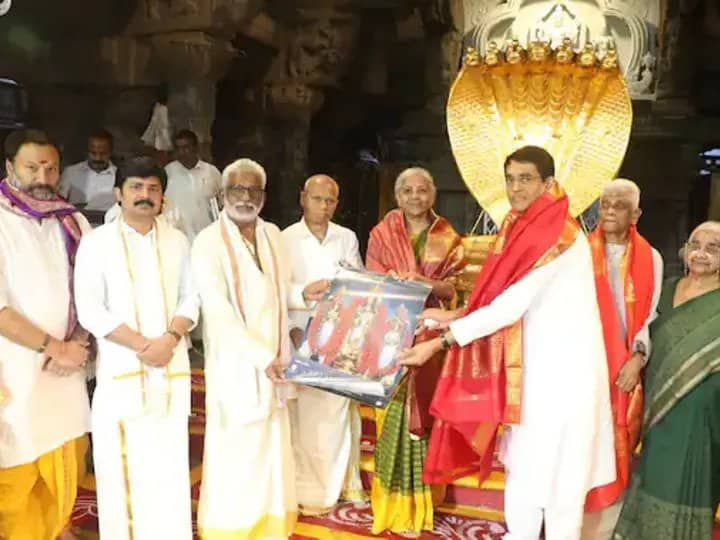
(411, 242)
(675, 490)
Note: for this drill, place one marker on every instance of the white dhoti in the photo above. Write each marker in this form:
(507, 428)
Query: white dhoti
(143, 481)
(326, 439)
(248, 479)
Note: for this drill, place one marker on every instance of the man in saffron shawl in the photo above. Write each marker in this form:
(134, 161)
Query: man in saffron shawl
(411, 242)
(528, 353)
(44, 410)
(628, 280)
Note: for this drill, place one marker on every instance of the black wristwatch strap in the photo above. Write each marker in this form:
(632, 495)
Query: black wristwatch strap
(45, 343)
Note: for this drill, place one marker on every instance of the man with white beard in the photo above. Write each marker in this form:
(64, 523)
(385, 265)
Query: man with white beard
(240, 269)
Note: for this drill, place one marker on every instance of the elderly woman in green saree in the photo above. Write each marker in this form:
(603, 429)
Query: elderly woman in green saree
(675, 490)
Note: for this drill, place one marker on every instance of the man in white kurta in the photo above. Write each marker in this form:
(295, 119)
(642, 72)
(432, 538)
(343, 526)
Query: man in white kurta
(134, 293)
(193, 185)
(43, 402)
(241, 271)
(563, 445)
(326, 427)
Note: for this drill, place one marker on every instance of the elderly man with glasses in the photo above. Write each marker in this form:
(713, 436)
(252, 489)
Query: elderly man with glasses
(241, 271)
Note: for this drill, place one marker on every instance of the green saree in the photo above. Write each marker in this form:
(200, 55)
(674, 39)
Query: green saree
(675, 491)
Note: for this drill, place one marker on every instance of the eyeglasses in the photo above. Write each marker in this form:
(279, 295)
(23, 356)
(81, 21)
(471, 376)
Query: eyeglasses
(522, 179)
(236, 192)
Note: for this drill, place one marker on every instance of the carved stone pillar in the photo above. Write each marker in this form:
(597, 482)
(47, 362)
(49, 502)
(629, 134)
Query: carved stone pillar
(191, 105)
(290, 106)
(191, 63)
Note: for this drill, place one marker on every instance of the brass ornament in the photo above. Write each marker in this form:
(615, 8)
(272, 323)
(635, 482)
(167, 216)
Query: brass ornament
(574, 106)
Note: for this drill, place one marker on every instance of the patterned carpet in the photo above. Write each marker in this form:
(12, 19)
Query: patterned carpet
(349, 521)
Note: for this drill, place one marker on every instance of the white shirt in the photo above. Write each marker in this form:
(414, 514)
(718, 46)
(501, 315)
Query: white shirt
(80, 184)
(107, 297)
(614, 254)
(311, 259)
(39, 411)
(191, 191)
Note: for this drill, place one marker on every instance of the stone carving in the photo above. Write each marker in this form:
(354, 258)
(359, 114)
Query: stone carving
(443, 61)
(156, 16)
(190, 56)
(320, 47)
(191, 106)
(156, 9)
(642, 79)
(627, 27)
(292, 99)
(445, 14)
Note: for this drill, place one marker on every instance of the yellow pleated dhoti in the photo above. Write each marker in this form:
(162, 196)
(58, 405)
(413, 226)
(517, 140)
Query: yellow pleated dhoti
(37, 498)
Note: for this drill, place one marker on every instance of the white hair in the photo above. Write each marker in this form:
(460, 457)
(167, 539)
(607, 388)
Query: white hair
(710, 226)
(628, 186)
(244, 166)
(413, 171)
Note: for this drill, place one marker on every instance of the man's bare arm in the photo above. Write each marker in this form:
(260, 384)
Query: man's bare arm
(16, 328)
(181, 325)
(127, 337)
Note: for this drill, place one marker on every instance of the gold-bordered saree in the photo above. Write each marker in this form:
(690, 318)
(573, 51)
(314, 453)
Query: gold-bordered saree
(675, 490)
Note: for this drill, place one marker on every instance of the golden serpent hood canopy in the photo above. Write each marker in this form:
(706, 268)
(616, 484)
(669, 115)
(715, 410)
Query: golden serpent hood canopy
(572, 104)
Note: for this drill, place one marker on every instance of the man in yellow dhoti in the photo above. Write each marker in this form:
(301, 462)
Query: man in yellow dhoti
(43, 399)
(241, 272)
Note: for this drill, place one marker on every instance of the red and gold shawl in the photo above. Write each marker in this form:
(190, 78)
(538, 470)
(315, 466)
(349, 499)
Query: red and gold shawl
(481, 383)
(389, 248)
(638, 284)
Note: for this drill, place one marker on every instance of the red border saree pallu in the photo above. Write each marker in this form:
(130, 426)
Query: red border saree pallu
(481, 383)
(400, 500)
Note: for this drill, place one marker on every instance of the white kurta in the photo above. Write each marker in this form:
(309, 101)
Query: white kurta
(326, 427)
(614, 255)
(140, 414)
(191, 192)
(248, 486)
(563, 446)
(39, 411)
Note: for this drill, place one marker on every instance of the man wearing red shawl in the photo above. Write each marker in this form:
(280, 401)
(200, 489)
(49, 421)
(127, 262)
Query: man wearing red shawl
(44, 410)
(411, 242)
(527, 353)
(628, 280)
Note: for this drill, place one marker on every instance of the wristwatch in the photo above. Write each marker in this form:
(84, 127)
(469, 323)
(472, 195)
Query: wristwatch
(174, 334)
(444, 341)
(639, 347)
(45, 343)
